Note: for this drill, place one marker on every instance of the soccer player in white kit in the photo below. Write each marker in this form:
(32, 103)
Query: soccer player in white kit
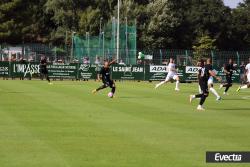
(248, 77)
(172, 74)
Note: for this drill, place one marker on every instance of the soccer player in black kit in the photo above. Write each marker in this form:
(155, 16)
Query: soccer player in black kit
(104, 74)
(43, 69)
(228, 70)
(203, 75)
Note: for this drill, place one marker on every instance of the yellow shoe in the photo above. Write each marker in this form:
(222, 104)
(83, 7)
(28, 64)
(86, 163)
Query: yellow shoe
(50, 83)
(94, 91)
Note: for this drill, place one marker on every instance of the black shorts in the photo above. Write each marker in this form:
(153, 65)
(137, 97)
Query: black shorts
(44, 71)
(109, 83)
(229, 79)
(204, 87)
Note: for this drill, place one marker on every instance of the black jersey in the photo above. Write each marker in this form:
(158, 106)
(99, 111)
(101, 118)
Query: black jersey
(204, 75)
(229, 69)
(242, 69)
(209, 67)
(105, 72)
(43, 63)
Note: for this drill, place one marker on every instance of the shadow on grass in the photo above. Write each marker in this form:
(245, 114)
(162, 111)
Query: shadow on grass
(133, 97)
(236, 109)
(13, 92)
(233, 99)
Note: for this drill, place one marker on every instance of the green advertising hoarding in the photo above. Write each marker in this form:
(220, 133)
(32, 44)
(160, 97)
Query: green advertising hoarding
(90, 71)
(156, 73)
(29, 70)
(191, 74)
(128, 72)
(4, 69)
(159, 73)
(32, 70)
(63, 70)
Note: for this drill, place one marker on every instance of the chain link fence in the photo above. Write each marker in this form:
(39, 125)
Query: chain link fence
(65, 54)
(190, 57)
(34, 52)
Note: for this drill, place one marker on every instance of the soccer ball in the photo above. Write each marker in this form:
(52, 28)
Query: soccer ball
(110, 94)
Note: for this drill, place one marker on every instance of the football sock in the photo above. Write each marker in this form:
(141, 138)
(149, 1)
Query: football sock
(214, 92)
(177, 84)
(198, 96)
(244, 87)
(113, 90)
(101, 87)
(202, 100)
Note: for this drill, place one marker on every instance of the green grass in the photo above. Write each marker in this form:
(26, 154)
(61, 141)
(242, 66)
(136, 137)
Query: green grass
(64, 125)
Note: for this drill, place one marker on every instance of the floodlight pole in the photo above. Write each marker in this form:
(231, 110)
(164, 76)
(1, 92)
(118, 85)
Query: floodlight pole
(118, 31)
(103, 44)
(127, 59)
(87, 39)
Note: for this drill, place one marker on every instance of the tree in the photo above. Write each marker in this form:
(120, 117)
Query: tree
(89, 21)
(165, 24)
(210, 17)
(177, 24)
(203, 46)
(241, 26)
(13, 26)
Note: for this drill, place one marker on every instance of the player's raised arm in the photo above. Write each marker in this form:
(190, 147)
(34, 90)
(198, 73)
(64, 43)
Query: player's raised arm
(112, 62)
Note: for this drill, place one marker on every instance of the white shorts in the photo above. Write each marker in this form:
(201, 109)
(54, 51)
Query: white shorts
(171, 76)
(248, 77)
(210, 80)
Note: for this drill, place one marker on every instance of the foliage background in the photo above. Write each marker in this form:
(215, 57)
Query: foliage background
(176, 24)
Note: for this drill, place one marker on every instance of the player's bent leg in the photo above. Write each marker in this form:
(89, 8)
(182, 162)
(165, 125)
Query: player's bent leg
(202, 100)
(161, 83)
(227, 87)
(243, 87)
(113, 88)
(176, 77)
(239, 88)
(47, 78)
(100, 88)
(199, 87)
(211, 88)
(221, 86)
(192, 97)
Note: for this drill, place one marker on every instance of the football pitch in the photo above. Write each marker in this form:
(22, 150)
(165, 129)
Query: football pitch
(64, 125)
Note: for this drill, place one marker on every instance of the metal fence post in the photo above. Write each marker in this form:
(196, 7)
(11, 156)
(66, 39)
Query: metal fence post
(238, 58)
(186, 53)
(212, 54)
(1, 54)
(160, 57)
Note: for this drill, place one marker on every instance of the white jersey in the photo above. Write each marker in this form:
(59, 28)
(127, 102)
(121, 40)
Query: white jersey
(248, 72)
(248, 68)
(171, 72)
(171, 69)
